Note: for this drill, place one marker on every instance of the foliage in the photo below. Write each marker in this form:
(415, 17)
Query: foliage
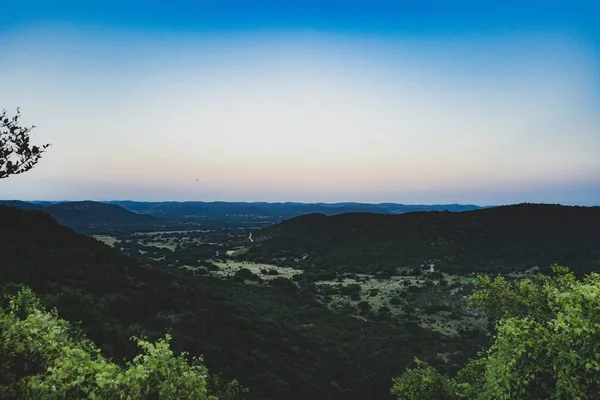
(545, 346)
(42, 358)
(424, 382)
(556, 357)
(17, 155)
(527, 297)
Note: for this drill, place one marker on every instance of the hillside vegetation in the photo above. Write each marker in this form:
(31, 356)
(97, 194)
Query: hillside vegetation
(44, 356)
(545, 344)
(499, 239)
(278, 340)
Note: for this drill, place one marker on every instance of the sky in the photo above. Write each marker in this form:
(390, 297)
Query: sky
(480, 102)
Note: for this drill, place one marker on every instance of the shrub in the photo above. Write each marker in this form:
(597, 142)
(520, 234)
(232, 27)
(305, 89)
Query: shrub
(363, 307)
(41, 357)
(349, 289)
(246, 274)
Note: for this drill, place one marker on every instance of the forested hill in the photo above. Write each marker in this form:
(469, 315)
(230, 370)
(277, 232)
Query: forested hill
(35, 249)
(276, 339)
(93, 217)
(495, 239)
(91, 213)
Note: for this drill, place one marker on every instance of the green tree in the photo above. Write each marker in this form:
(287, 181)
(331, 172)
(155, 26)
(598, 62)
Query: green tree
(502, 298)
(424, 382)
(42, 357)
(553, 352)
(17, 155)
(545, 344)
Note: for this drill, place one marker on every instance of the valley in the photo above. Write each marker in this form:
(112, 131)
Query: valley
(433, 300)
(415, 267)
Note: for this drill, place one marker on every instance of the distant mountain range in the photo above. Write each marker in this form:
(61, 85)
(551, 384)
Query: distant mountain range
(219, 209)
(105, 217)
(497, 239)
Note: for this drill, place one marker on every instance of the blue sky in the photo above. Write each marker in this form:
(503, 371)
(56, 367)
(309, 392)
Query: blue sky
(374, 101)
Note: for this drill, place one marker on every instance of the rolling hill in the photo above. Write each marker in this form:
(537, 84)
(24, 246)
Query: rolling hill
(92, 214)
(24, 205)
(93, 217)
(495, 239)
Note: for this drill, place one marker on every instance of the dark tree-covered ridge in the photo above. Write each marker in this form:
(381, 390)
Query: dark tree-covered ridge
(495, 239)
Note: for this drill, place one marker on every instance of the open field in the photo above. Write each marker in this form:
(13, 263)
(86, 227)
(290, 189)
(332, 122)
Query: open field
(154, 233)
(108, 240)
(162, 243)
(230, 267)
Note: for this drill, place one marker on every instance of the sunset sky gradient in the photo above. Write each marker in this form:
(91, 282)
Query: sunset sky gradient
(369, 101)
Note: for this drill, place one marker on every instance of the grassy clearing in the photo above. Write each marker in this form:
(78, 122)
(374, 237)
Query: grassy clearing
(154, 233)
(162, 245)
(237, 252)
(108, 240)
(386, 290)
(379, 293)
(229, 268)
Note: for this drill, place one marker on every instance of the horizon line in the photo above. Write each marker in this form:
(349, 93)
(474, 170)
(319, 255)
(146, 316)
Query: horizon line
(304, 202)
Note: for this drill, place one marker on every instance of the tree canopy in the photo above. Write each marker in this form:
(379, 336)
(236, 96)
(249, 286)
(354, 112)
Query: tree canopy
(545, 343)
(43, 356)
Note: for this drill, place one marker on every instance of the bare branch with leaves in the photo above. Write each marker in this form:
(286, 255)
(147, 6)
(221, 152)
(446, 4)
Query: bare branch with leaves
(17, 155)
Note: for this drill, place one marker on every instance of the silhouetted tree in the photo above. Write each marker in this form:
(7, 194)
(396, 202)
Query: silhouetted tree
(17, 155)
